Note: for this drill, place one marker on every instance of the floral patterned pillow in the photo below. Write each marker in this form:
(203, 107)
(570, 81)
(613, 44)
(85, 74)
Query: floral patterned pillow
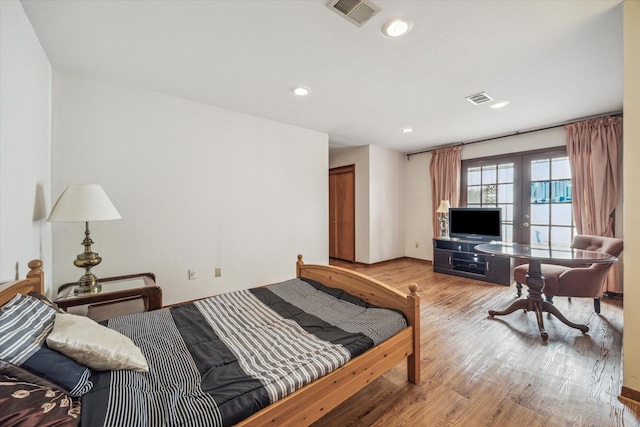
(29, 403)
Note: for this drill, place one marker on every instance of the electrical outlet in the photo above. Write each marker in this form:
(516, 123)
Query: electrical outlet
(218, 271)
(192, 274)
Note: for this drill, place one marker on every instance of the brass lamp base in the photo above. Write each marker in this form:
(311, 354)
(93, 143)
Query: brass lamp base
(88, 283)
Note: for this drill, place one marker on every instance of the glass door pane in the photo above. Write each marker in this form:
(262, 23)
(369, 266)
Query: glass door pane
(492, 185)
(547, 212)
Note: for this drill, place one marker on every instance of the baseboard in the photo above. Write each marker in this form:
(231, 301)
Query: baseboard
(424, 261)
(630, 394)
(339, 260)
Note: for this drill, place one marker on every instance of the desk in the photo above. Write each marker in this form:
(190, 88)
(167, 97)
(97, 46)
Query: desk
(537, 255)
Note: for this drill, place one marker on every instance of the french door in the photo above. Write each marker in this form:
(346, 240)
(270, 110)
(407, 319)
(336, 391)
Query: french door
(533, 189)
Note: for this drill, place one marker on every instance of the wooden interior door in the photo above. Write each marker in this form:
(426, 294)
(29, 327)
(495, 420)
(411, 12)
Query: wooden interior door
(342, 224)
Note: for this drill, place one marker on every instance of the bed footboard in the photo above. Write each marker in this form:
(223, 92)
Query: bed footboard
(375, 292)
(315, 400)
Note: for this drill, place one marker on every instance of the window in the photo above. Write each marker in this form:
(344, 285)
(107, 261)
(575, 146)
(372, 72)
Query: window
(551, 219)
(492, 185)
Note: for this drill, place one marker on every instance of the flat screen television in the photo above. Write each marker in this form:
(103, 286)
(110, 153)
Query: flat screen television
(482, 224)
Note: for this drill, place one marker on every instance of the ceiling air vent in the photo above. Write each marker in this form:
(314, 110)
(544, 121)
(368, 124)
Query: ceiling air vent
(357, 12)
(479, 98)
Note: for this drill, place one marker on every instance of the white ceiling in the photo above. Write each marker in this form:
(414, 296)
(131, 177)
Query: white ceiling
(555, 61)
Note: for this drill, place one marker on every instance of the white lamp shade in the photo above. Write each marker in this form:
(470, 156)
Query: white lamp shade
(83, 203)
(444, 207)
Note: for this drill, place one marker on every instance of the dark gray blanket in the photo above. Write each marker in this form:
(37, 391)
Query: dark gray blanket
(216, 361)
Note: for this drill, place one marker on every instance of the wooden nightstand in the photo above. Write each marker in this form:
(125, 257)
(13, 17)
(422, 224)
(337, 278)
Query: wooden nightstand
(120, 295)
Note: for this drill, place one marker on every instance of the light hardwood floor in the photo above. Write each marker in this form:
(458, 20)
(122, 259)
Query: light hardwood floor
(478, 371)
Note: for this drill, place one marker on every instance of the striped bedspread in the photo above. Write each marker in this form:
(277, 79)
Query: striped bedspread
(216, 361)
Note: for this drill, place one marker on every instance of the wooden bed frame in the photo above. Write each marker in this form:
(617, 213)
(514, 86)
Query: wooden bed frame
(33, 282)
(313, 401)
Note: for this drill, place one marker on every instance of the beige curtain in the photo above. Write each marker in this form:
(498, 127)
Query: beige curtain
(445, 171)
(593, 149)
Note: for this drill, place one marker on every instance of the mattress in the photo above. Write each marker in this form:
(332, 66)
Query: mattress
(215, 362)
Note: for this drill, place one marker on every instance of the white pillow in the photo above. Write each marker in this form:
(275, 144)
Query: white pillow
(94, 345)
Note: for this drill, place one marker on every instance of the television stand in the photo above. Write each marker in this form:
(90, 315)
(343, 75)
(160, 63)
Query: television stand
(459, 258)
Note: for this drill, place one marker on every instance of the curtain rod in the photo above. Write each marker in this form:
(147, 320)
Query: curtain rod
(617, 114)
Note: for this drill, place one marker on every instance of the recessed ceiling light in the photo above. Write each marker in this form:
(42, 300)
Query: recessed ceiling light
(301, 91)
(499, 104)
(397, 27)
(406, 130)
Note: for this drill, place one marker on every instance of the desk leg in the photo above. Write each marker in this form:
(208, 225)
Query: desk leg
(516, 305)
(534, 302)
(535, 283)
(550, 308)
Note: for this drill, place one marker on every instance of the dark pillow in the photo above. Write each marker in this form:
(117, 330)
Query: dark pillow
(25, 323)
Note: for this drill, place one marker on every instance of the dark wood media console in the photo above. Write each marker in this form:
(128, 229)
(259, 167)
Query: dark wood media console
(459, 258)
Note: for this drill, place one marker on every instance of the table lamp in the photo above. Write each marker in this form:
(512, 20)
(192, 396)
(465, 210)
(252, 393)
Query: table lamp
(443, 210)
(84, 203)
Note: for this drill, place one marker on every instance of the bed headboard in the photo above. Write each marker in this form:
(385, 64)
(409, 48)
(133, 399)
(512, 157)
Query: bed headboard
(33, 282)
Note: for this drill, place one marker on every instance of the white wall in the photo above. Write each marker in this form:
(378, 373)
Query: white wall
(418, 207)
(631, 135)
(360, 158)
(25, 135)
(418, 213)
(386, 204)
(379, 201)
(198, 187)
